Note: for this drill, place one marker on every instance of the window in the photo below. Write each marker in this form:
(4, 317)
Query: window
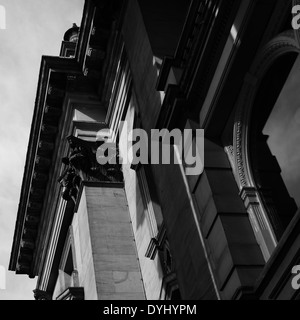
(120, 94)
(170, 282)
(283, 131)
(150, 200)
(274, 141)
(67, 269)
(159, 242)
(67, 285)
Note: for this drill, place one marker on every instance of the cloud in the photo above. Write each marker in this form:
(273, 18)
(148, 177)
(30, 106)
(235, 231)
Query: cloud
(34, 28)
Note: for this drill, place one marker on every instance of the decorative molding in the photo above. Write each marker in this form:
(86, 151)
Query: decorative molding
(260, 222)
(81, 164)
(230, 153)
(60, 212)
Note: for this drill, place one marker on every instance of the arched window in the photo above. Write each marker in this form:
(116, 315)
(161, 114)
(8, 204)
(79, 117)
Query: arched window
(265, 153)
(275, 141)
(283, 129)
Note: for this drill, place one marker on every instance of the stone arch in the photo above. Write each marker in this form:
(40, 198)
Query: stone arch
(284, 43)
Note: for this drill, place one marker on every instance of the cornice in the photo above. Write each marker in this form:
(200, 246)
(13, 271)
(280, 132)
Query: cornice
(31, 171)
(55, 78)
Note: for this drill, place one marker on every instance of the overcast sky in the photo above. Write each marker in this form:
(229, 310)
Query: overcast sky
(33, 28)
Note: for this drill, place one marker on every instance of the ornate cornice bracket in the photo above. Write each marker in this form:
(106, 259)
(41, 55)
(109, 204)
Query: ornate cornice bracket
(81, 164)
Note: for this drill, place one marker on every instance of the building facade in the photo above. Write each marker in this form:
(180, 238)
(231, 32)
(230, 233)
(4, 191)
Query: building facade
(149, 231)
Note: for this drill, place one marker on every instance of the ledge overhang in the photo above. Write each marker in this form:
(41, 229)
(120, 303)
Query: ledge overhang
(40, 150)
(33, 167)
